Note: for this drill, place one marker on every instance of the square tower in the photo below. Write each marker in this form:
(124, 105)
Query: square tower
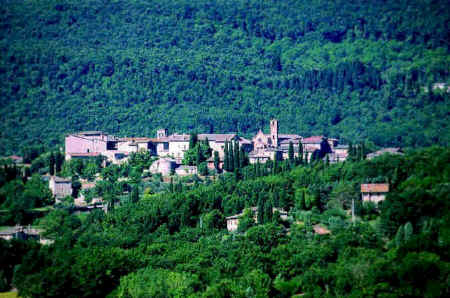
(161, 133)
(274, 132)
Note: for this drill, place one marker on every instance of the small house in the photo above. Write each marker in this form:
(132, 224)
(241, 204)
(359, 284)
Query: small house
(374, 192)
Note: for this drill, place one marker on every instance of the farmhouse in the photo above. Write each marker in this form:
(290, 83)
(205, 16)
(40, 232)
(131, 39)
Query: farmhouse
(375, 192)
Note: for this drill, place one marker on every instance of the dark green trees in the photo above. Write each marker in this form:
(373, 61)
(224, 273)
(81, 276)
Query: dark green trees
(51, 164)
(216, 161)
(197, 154)
(291, 155)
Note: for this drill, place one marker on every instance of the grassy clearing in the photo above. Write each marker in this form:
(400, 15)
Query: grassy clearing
(9, 295)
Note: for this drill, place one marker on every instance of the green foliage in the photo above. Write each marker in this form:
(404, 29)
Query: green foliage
(151, 282)
(246, 221)
(352, 70)
(175, 243)
(198, 154)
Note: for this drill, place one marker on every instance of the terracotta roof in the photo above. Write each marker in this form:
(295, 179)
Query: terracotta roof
(375, 187)
(87, 185)
(318, 229)
(313, 140)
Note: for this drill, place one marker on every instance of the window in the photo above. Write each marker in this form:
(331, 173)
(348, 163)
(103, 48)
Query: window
(166, 146)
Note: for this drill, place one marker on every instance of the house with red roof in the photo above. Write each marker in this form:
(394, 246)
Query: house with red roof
(374, 192)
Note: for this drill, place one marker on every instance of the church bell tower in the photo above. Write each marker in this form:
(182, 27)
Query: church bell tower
(274, 132)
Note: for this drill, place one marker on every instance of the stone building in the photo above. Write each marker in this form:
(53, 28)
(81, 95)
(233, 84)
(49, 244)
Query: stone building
(60, 187)
(89, 142)
(313, 143)
(164, 166)
(217, 142)
(172, 146)
(339, 154)
(374, 192)
(269, 146)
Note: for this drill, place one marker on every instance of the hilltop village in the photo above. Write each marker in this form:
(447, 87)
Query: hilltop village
(171, 148)
(176, 156)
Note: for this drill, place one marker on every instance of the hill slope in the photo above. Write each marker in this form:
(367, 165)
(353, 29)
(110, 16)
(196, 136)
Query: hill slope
(353, 71)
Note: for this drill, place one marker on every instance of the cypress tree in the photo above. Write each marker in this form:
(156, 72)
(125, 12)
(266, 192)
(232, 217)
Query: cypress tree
(226, 161)
(179, 187)
(216, 161)
(171, 186)
(350, 151)
(291, 153)
(258, 169)
(300, 151)
(134, 196)
(260, 216)
(230, 157)
(276, 199)
(198, 157)
(193, 140)
(236, 157)
(268, 212)
(51, 164)
(275, 164)
(59, 159)
(242, 158)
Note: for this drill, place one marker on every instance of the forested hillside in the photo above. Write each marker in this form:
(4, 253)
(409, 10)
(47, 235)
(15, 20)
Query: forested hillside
(350, 69)
(174, 243)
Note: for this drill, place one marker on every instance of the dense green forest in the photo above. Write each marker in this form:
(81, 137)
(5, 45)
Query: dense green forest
(350, 69)
(173, 243)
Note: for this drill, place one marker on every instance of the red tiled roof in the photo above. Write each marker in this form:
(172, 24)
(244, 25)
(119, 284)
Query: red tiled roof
(87, 185)
(313, 140)
(318, 229)
(375, 187)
